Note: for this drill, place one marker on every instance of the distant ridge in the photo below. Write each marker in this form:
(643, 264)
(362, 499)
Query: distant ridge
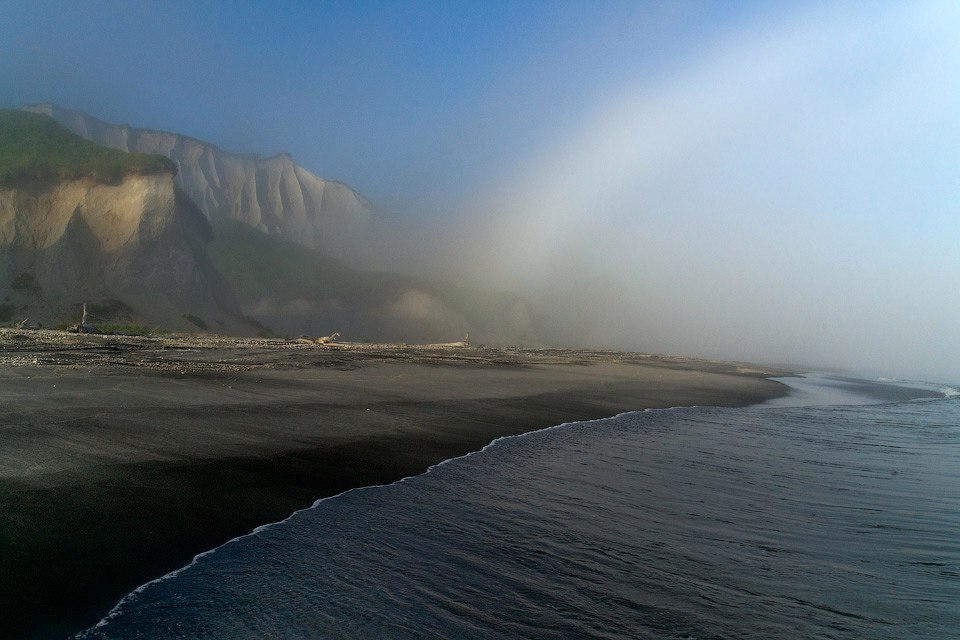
(273, 194)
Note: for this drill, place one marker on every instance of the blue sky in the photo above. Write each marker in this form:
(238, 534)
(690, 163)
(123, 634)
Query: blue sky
(762, 180)
(378, 94)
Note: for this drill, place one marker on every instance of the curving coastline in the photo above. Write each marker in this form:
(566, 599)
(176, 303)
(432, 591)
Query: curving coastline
(124, 457)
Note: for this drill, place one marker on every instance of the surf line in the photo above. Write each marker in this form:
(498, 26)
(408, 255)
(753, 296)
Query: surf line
(134, 595)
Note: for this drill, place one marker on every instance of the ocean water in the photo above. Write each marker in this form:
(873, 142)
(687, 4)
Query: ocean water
(835, 521)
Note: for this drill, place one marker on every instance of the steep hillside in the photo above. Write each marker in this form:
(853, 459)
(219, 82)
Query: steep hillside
(125, 240)
(273, 195)
(294, 290)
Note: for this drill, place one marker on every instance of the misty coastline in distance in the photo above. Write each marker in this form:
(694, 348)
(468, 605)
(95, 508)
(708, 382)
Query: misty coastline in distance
(308, 256)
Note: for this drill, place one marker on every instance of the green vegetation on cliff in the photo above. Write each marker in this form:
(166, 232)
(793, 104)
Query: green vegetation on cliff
(34, 146)
(258, 265)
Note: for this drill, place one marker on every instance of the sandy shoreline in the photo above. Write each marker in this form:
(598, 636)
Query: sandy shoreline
(122, 457)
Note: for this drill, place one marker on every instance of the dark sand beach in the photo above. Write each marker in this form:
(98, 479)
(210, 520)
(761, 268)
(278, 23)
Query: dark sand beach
(123, 457)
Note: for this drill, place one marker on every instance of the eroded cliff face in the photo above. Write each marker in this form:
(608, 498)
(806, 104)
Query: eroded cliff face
(274, 195)
(140, 244)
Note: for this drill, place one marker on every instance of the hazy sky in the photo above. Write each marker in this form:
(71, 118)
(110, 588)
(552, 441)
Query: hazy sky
(774, 181)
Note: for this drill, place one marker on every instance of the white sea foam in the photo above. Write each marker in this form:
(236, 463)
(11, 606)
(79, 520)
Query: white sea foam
(948, 391)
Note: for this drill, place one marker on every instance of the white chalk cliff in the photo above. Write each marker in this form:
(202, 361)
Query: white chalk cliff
(273, 195)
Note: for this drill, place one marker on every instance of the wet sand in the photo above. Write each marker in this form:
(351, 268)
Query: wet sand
(122, 457)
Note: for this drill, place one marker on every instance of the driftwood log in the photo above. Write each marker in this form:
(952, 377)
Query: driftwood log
(462, 343)
(328, 339)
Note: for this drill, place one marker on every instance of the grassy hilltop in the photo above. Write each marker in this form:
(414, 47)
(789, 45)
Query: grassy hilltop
(34, 146)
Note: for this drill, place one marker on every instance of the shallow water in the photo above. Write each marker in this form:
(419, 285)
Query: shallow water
(828, 522)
